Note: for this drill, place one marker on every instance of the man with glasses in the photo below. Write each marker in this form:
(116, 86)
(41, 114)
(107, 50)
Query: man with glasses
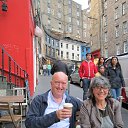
(46, 110)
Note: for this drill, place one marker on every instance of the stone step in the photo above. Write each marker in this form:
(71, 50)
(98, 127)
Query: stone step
(3, 85)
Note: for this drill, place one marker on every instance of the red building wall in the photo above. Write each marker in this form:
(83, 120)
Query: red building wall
(16, 34)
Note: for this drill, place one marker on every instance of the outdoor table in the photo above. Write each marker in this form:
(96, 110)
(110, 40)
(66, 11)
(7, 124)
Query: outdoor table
(13, 99)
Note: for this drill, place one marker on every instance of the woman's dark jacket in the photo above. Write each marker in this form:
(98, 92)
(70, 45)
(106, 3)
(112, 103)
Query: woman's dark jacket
(115, 77)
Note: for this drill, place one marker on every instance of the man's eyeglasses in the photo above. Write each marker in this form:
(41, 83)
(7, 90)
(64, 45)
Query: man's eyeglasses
(101, 88)
(58, 83)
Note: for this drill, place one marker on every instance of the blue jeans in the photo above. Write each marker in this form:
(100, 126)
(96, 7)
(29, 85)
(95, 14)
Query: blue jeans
(49, 72)
(116, 92)
(86, 84)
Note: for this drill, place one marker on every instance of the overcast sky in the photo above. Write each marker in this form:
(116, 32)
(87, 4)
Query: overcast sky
(84, 3)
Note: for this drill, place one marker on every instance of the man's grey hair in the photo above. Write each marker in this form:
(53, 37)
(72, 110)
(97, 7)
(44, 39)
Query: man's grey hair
(98, 81)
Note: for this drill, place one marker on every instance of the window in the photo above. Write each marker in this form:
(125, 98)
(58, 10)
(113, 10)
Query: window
(59, 5)
(72, 47)
(59, 1)
(52, 42)
(49, 10)
(105, 36)
(77, 48)
(59, 14)
(77, 6)
(48, 1)
(52, 52)
(78, 22)
(57, 43)
(73, 56)
(85, 34)
(105, 20)
(69, 10)
(117, 31)
(117, 49)
(77, 56)
(67, 55)
(124, 8)
(59, 25)
(52, 12)
(49, 21)
(48, 39)
(69, 28)
(57, 52)
(116, 13)
(78, 32)
(61, 54)
(69, 1)
(106, 52)
(78, 14)
(125, 46)
(61, 45)
(69, 19)
(125, 27)
(105, 4)
(85, 25)
(82, 49)
(66, 46)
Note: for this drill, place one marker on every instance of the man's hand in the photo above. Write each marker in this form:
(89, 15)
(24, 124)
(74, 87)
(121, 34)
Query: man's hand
(64, 113)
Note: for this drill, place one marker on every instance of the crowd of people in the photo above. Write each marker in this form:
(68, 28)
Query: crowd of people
(45, 69)
(111, 71)
(100, 107)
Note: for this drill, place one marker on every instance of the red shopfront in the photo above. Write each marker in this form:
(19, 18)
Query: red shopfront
(96, 54)
(17, 33)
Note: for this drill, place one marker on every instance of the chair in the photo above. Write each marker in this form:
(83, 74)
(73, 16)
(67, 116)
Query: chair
(10, 117)
(77, 118)
(21, 91)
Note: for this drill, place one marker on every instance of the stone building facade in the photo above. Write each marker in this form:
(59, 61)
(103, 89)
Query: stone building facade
(110, 26)
(63, 17)
(115, 27)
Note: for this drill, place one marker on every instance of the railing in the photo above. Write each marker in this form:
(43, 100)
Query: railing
(14, 74)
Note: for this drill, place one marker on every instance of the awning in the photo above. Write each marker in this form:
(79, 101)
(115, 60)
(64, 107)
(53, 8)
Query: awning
(38, 32)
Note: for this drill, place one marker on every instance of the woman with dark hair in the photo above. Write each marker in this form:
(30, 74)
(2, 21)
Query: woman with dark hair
(100, 110)
(114, 74)
(101, 61)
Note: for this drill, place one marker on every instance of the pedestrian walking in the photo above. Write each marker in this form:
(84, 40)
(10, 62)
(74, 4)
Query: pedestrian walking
(44, 69)
(41, 69)
(87, 71)
(101, 61)
(59, 66)
(49, 69)
(114, 74)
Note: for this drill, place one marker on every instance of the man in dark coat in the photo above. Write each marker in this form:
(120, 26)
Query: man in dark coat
(60, 66)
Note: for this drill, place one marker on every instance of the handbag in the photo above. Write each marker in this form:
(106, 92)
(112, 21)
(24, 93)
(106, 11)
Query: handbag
(123, 93)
